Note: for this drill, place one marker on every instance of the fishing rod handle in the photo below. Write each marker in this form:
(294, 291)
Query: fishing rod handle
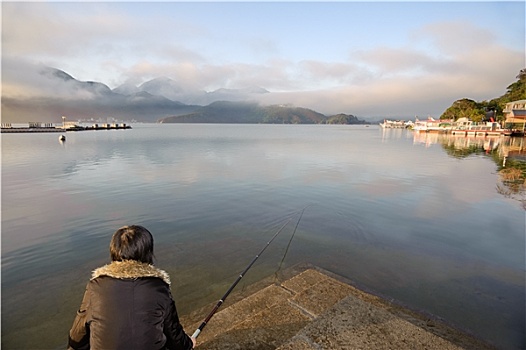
(196, 333)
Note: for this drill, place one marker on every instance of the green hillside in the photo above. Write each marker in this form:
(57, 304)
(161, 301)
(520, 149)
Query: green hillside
(478, 111)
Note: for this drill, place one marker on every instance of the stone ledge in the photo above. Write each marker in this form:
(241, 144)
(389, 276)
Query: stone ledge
(310, 308)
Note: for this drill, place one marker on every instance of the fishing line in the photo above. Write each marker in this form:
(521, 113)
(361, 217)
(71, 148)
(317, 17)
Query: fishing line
(222, 300)
(288, 245)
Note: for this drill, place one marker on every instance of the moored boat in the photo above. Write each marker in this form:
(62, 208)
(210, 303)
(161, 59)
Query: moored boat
(393, 124)
(432, 125)
(464, 126)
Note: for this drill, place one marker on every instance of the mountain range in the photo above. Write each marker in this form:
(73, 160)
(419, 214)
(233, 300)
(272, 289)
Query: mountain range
(254, 113)
(158, 100)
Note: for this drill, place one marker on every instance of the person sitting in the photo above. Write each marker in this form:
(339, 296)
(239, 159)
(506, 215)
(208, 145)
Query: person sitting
(128, 303)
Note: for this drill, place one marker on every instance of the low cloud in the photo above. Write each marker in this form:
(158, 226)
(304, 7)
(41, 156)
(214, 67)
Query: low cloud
(445, 61)
(25, 80)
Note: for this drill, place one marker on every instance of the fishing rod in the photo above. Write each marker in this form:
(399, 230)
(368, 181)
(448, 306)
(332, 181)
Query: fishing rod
(223, 298)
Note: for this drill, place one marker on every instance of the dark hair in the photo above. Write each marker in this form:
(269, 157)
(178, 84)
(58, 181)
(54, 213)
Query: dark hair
(132, 243)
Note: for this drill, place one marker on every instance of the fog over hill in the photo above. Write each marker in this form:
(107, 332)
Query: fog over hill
(54, 93)
(249, 112)
(127, 89)
(163, 86)
(49, 93)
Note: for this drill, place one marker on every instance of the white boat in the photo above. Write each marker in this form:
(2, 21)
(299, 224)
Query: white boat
(464, 126)
(433, 125)
(394, 124)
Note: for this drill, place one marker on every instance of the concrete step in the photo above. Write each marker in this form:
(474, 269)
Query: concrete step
(317, 310)
(271, 316)
(355, 324)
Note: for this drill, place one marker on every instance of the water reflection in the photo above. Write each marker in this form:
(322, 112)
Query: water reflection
(408, 221)
(509, 154)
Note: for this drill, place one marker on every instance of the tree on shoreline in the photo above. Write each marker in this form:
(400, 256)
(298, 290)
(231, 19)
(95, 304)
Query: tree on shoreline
(479, 111)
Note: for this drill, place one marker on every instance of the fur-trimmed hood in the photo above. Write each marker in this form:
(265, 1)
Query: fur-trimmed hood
(130, 269)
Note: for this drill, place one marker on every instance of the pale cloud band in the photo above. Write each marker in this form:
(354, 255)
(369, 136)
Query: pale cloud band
(423, 72)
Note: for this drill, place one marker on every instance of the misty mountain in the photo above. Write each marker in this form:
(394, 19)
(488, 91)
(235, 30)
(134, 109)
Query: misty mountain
(221, 112)
(55, 73)
(171, 89)
(163, 87)
(85, 88)
(174, 91)
(54, 93)
(58, 94)
(147, 107)
(253, 113)
(67, 96)
(126, 89)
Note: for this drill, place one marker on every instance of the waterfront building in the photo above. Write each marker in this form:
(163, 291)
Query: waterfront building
(515, 115)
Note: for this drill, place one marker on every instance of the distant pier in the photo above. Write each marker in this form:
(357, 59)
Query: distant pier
(39, 127)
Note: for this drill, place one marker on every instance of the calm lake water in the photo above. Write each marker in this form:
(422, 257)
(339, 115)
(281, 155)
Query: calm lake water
(412, 217)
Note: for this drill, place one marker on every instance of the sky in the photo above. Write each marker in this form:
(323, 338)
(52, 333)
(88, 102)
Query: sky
(400, 59)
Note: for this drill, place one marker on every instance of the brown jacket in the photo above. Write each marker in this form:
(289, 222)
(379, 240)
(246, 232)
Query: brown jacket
(128, 305)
